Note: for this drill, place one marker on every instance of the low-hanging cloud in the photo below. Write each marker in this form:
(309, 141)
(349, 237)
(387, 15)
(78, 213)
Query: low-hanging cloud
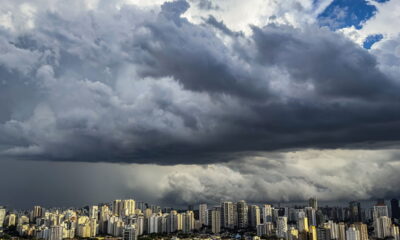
(330, 175)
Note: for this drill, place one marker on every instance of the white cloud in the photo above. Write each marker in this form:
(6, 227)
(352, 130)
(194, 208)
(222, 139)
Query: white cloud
(385, 22)
(259, 12)
(292, 176)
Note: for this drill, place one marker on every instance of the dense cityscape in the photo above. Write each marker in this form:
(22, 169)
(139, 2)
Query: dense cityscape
(130, 220)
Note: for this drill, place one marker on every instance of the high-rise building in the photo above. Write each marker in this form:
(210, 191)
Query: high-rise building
(117, 207)
(380, 202)
(394, 203)
(355, 211)
(334, 229)
(124, 207)
(104, 215)
(261, 230)
(139, 225)
(323, 233)
(312, 234)
(266, 229)
(128, 207)
(380, 211)
(267, 213)
(227, 215)
(142, 206)
(216, 220)
(2, 216)
(394, 232)
(382, 227)
(242, 214)
(94, 227)
(235, 215)
(37, 212)
(363, 229)
(152, 223)
(173, 219)
(55, 233)
(254, 216)
(302, 224)
(312, 202)
(130, 233)
(165, 224)
(203, 214)
(179, 223)
(188, 221)
(11, 220)
(293, 234)
(311, 216)
(93, 212)
(281, 227)
(352, 233)
(341, 231)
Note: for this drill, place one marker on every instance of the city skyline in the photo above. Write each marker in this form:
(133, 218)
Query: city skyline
(128, 219)
(344, 203)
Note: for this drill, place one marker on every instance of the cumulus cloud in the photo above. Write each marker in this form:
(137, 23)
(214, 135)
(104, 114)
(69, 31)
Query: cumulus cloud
(331, 175)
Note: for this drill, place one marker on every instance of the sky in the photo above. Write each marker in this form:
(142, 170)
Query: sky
(189, 101)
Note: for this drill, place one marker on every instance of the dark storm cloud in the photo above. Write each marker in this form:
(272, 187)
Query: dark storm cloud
(335, 66)
(131, 85)
(222, 27)
(64, 184)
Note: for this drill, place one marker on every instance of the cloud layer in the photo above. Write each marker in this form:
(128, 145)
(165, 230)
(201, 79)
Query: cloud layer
(145, 85)
(330, 175)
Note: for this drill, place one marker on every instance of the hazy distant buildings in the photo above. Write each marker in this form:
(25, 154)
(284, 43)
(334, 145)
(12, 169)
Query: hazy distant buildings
(355, 211)
(312, 202)
(380, 210)
(394, 204)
